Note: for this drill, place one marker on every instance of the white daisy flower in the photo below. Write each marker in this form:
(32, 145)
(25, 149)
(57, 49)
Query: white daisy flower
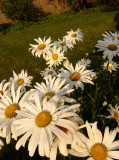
(43, 47)
(97, 147)
(48, 71)
(76, 76)
(63, 44)
(111, 35)
(21, 79)
(74, 36)
(56, 57)
(109, 47)
(4, 88)
(8, 106)
(54, 90)
(41, 124)
(114, 112)
(110, 66)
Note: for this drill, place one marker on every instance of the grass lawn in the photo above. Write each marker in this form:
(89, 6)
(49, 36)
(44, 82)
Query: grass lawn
(14, 54)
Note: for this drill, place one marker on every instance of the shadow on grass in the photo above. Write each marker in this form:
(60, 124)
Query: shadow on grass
(36, 13)
(116, 19)
(4, 27)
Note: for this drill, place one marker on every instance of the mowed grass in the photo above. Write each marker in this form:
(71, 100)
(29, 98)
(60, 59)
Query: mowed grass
(14, 54)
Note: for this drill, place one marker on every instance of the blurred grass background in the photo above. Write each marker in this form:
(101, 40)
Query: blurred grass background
(14, 54)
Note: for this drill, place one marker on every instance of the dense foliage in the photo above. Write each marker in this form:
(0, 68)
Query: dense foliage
(84, 4)
(16, 9)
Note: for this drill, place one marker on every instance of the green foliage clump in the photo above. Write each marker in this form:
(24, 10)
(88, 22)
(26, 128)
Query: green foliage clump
(16, 9)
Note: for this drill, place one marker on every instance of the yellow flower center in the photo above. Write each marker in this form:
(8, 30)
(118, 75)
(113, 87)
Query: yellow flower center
(20, 82)
(41, 46)
(75, 76)
(50, 72)
(43, 119)
(112, 47)
(63, 43)
(1, 93)
(114, 38)
(99, 152)
(54, 56)
(109, 67)
(73, 35)
(10, 110)
(49, 95)
(116, 115)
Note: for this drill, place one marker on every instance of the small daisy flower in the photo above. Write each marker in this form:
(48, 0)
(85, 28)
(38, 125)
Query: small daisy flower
(110, 66)
(97, 147)
(42, 47)
(114, 112)
(21, 79)
(76, 76)
(56, 57)
(111, 35)
(4, 87)
(48, 71)
(54, 88)
(109, 47)
(63, 45)
(8, 106)
(74, 36)
(41, 124)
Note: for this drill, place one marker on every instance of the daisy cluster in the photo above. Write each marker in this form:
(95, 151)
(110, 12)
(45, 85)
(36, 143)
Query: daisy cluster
(46, 116)
(110, 48)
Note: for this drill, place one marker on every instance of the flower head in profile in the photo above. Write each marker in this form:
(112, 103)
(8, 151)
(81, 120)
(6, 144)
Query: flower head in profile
(114, 112)
(85, 62)
(74, 36)
(8, 106)
(110, 66)
(97, 146)
(54, 90)
(4, 88)
(48, 71)
(43, 122)
(109, 47)
(22, 79)
(42, 48)
(111, 35)
(56, 57)
(63, 44)
(76, 76)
